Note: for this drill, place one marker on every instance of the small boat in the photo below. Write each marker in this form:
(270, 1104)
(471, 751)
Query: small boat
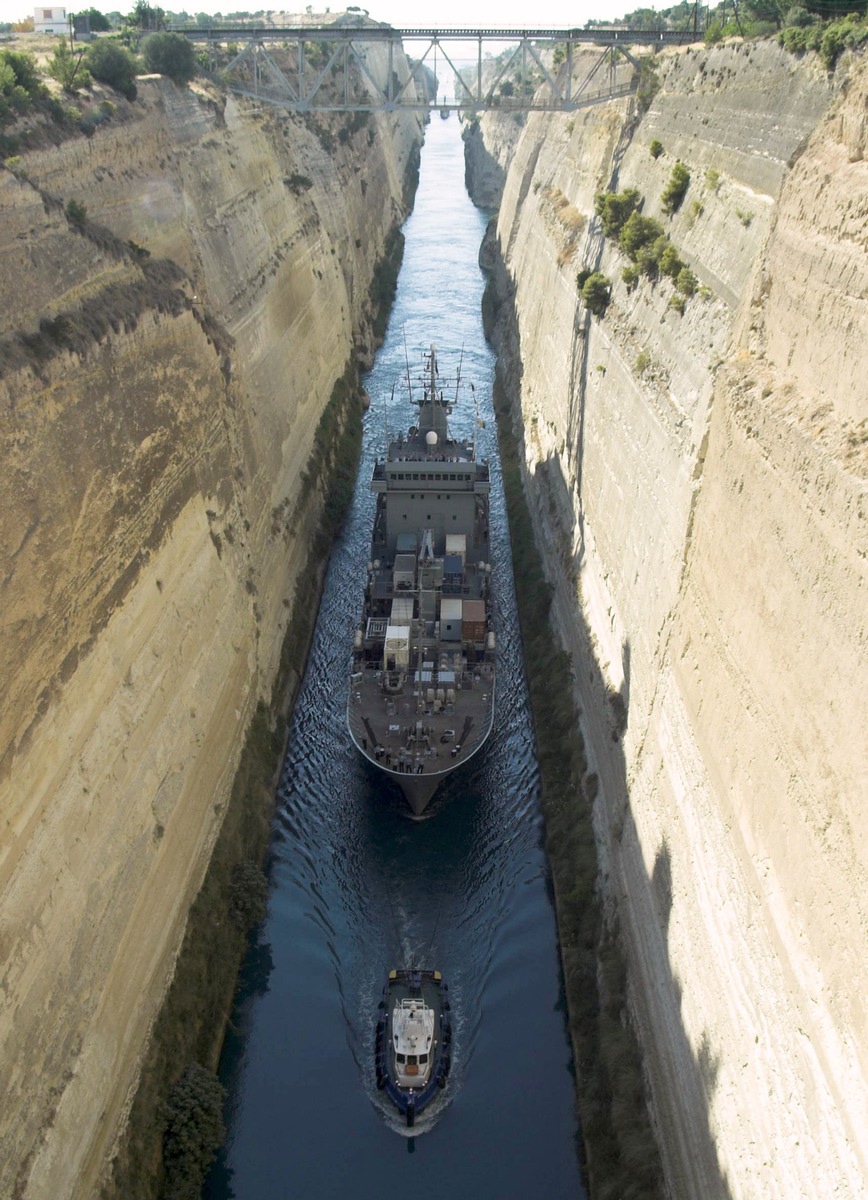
(412, 1049)
(444, 114)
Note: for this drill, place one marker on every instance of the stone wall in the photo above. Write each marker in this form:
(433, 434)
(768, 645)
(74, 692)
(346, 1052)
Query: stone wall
(698, 483)
(154, 439)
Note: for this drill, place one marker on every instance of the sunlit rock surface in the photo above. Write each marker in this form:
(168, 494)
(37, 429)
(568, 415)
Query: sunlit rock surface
(698, 483)
(152, 459)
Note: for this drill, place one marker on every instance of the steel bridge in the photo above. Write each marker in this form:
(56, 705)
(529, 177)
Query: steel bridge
(340, 67)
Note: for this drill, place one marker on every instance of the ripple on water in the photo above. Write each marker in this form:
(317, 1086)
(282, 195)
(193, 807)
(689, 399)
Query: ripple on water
(358, 886)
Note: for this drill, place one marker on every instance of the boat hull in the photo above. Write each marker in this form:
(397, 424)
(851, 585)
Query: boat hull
(422, 670)
(431, 988)
(418, 788)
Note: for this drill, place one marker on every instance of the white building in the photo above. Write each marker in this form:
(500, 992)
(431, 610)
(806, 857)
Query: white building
(50, 20)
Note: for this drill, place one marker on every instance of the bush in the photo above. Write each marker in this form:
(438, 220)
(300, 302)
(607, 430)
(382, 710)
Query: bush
(638, 231)
(839, 36)
(67, 68)
(676, 188)
(248, 895)
(596, 293)
(669, 262)
(19, 82)
(169, 54)
(76, 213)
(797, 16)
(110, 63)
(298, 183)
(686, 283)
(630, 276)
(648, 256)
(615, 208)
(649, 84)
(656, 148)
(194, 1131)
(714, 33)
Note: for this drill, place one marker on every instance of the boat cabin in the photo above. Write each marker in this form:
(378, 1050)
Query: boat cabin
(412, 1041)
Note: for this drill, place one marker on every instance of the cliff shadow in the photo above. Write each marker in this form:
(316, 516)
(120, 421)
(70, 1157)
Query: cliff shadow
(613, 914)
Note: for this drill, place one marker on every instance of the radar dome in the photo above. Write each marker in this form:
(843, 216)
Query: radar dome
(431, 437)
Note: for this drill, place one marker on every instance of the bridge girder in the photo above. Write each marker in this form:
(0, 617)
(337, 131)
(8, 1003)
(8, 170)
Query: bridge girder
(325, 68)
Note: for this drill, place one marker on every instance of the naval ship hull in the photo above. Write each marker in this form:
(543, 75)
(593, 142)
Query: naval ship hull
(422, 674)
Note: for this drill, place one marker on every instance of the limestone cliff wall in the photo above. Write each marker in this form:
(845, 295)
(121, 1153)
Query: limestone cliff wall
(163, 366)
(699, 485)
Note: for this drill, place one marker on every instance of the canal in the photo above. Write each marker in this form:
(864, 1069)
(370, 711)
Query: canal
(358, 886)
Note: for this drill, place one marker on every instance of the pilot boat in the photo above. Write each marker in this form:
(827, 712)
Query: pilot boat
(412, 1048)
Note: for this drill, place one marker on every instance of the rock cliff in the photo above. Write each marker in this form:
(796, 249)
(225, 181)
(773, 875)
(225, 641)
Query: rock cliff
(697, 470)
(170, 340)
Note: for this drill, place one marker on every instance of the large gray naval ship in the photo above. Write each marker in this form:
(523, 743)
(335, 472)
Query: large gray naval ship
(421, 696)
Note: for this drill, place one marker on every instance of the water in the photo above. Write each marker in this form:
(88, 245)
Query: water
(358, 886)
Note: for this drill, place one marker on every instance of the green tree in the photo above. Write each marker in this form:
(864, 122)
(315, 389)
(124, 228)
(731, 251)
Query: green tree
(676, 188)
(615, 208)
(596, 293)
(169, 54)
(669, 262)
(97, 22)
(687, 283)
(109, 62)
(19, 82)
(193, 1133)
(145, 17)
(67, 68)
(639, 231)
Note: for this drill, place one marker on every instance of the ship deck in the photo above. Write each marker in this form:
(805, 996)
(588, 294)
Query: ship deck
(407, 733)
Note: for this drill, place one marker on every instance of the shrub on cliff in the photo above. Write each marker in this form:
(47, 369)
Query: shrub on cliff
(67, 68)
(194, 1131)
(169, 54)
(19, 82)
(615, 208)
(596, 293)
(676, 188)
(638, 231)
(248, 895)
(845, 34)
(110, 63)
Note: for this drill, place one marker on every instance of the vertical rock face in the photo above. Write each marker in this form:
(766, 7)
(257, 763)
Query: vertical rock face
(164, 361)
(699, 484)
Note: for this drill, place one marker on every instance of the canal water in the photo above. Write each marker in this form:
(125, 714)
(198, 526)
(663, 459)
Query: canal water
(358, 886)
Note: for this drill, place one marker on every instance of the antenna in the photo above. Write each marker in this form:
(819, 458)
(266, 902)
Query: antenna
(386, 422)
(407, 364)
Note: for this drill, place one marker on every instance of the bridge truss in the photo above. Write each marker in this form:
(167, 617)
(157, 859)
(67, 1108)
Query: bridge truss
(360, 68)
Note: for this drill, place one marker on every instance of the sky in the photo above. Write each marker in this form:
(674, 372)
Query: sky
(511, 14)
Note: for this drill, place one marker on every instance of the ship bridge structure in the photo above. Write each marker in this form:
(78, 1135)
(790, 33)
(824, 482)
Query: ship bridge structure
(359, 66)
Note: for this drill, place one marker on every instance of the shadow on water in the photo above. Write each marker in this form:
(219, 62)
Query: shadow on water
(358, 886)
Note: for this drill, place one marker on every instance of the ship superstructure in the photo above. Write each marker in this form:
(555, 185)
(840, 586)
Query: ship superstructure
(422, 680)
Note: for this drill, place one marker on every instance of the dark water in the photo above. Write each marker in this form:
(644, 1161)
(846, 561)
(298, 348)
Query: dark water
(357, 886)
